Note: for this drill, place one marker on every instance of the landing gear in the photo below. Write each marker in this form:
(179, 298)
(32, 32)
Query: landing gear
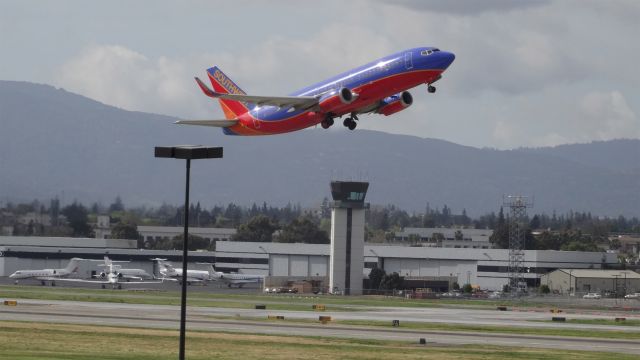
(350, 123)
(53, 283)
(431, 89)
(43, 283)
(103, 286)
(327, 122)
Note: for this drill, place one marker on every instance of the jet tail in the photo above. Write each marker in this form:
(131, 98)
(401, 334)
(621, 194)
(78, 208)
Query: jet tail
(224, 85)
(72, 267)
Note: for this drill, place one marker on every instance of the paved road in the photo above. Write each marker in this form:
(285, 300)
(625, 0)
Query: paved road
(161, 316)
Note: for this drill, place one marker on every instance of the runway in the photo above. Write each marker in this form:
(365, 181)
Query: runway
(204, 318)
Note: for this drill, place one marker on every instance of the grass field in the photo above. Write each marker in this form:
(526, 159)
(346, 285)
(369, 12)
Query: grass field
(34, 341)
(488, 329)
(337, 303)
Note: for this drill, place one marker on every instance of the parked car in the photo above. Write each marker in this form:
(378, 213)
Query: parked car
(592, 296)
(632, 296)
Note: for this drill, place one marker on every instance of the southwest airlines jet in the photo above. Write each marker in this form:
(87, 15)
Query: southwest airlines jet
(377, 87)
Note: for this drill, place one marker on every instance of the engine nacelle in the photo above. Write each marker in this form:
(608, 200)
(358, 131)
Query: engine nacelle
(333, 101)
(102, 275)
(395, 103)
(346, 96)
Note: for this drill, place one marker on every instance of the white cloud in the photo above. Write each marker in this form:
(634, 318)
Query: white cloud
(605, 116)
(125, 78)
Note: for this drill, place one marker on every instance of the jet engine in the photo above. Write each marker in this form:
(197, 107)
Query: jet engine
(335, 100)
(346, 96)
(395, 103)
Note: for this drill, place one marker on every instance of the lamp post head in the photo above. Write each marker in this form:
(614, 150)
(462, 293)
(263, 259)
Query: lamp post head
(188, 152)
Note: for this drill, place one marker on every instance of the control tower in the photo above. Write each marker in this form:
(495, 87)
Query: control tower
(347, 237)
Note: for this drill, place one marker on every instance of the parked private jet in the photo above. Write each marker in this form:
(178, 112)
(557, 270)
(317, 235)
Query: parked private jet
(47, 274)
(234, 278)
(168, 272)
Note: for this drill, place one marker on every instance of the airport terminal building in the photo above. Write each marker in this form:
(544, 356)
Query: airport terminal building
(432, 267)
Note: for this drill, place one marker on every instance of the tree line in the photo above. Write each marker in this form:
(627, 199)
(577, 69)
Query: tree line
(292, 223)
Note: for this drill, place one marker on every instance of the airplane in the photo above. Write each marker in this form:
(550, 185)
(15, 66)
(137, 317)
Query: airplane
(378, 87)
(171, 273)
(112, 276)
(235, 279)
(47, 274)
(126, 274)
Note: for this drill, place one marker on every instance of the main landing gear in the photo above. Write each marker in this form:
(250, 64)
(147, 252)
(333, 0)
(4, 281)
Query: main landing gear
(350, 122)
(431, 89)
(327, 122)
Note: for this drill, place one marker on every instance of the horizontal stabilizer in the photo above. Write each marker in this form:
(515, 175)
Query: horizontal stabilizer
(214, 123)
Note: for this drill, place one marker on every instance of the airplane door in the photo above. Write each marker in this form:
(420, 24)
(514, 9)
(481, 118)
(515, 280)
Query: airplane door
(408, 60)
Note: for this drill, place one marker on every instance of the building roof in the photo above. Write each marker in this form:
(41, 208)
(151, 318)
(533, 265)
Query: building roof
(607, 274)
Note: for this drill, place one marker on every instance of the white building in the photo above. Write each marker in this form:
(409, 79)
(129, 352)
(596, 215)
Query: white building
(447, 238)
(156, 233)
(487, 268)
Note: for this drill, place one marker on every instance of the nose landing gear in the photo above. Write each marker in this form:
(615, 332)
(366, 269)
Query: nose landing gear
(431, 89)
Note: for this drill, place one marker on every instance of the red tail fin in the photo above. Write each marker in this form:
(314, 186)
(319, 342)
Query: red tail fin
(222, 84)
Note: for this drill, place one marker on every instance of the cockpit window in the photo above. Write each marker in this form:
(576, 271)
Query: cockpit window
(429, 51)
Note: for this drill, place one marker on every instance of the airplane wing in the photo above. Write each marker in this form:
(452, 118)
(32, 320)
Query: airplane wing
(214, 123)
(297, 102)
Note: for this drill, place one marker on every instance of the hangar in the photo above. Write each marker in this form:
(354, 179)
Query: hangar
(580, 281)
(486, 268)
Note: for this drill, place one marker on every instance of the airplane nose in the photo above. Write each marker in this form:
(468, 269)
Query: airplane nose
(447, 58)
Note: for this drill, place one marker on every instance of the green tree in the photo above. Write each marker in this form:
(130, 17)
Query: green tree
(458, 235)
(391, 282)
(455, 286)
(544, 289)
(375, 277)
(303, 230)
(77, 217)
(467, 288)
(117, 205)
(500, 236)
(258, 229)
(125, 230)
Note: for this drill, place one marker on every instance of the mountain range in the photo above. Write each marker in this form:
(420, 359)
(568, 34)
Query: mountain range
(54, 143)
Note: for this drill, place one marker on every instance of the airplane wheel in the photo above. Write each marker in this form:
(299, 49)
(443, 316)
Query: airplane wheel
(327, 123)
(104, 287)
(431, 89)
(352, 125)
(347, 121)
(119, 287)
(53, 283)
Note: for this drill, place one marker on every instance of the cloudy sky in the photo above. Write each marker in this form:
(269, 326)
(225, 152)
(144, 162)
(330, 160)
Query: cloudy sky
(527, 73)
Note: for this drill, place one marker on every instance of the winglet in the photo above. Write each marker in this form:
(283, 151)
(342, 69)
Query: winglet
(205, 89)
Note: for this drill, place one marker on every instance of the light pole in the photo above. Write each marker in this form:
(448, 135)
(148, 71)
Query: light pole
(187, 152)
